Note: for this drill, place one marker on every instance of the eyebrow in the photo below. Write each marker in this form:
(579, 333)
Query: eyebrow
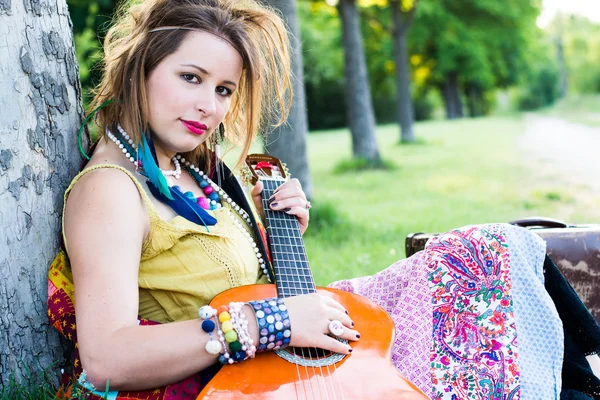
(205, 72)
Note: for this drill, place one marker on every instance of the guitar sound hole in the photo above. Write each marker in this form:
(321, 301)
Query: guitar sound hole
(309, 353)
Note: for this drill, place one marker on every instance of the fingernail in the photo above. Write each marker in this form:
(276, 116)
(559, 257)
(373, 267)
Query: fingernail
(346, 312)
(287, 210)
(350, 350)
(274, 204)
(353, 324)
(358, 335)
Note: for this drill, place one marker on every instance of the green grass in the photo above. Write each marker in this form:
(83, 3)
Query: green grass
(583, 109)
(462, 172)
(36, 384)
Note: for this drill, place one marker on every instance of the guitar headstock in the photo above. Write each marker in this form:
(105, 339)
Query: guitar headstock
(264, 167)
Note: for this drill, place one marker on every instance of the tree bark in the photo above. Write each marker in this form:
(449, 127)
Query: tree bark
(361, 117)
(288, 142)
(401, 24)
(40, 99)
(451, 93)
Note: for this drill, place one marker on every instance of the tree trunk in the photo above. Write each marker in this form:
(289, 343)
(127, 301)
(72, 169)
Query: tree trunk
(563, 84)
(405, 107)
(451, 93)
(475, 101)
(358, 94)
(288, 142)
(41, 110)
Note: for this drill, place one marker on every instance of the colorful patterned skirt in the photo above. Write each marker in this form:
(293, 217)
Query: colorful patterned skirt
(472, 317)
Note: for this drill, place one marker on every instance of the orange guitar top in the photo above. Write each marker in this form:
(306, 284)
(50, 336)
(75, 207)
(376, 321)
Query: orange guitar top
(365, 374)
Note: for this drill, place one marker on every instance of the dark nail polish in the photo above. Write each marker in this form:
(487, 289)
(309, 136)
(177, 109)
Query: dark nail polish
(350, 350)
(353, 324)
(358, 335)
(287, 210)
(274, 204)
(346, 312)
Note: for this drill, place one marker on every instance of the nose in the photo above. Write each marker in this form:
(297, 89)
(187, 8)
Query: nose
(207, 102)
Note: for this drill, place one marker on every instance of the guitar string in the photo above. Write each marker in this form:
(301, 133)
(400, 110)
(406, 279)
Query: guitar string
(307, 381)
(292, 227)
(267, 212)
(293, 231)
(299, 258)
(275, 256)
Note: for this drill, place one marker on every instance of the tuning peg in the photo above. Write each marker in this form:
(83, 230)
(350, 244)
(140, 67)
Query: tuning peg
(246, 174)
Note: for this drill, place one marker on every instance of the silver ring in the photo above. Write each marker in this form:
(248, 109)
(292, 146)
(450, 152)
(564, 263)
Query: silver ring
(307, 206)
(336, 328)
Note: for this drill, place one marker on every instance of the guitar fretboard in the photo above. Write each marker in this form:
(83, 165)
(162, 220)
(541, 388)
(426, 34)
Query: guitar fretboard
(292, 272)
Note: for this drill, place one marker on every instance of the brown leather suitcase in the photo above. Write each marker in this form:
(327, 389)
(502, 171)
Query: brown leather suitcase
(575, 249)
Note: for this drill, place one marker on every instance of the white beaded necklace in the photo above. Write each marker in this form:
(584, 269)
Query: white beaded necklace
(224, 196)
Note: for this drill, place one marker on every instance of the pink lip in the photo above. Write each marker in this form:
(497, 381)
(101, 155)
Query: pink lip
(195, 127)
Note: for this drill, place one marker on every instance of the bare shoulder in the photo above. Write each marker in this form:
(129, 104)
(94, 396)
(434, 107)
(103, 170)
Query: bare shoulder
(103, 202)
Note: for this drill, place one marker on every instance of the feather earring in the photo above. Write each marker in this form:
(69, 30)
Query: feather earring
(218, 138)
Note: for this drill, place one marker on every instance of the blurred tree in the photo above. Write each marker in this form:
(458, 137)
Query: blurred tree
(288, 142)
(474, 46)
(358, 95)
(323, 65)
(580, 45)
(403, 13)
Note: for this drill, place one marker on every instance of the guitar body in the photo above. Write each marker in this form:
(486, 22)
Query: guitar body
(365, 374)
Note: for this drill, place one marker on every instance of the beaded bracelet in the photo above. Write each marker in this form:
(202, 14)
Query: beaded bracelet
(273, 324)
(212, 347)
(240, 324)
(237, 351)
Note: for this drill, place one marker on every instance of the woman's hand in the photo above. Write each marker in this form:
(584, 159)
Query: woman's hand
(310, 316)
(289, 197)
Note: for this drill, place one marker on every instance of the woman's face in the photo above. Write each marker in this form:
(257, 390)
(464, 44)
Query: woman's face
(189, 92)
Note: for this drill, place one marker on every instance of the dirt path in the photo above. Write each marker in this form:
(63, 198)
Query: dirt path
(562, 150)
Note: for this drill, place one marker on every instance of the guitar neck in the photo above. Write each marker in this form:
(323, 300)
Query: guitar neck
(292, 271)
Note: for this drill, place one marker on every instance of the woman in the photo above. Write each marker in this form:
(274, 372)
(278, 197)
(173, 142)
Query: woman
(149, 234)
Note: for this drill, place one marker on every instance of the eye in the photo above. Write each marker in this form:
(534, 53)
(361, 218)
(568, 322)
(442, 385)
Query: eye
(223, 91)
(191, 78)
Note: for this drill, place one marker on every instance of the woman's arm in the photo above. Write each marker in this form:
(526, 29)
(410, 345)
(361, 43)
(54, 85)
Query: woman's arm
(105, 225)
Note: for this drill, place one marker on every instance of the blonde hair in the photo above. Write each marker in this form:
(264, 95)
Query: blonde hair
(132, 51)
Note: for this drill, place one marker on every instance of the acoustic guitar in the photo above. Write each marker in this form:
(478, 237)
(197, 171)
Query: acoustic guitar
(303, 373)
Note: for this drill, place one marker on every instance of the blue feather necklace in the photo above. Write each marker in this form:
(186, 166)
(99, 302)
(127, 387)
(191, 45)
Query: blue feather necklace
(129, 149)
(184, 204)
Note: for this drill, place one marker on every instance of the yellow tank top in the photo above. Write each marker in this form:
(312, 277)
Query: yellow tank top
(182, 265)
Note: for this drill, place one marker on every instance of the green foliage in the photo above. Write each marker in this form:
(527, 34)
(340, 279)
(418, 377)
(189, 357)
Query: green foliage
(581, 40)
(323, 60)
(91, 20)
(541, 90)
(485, 42)
(538, 85)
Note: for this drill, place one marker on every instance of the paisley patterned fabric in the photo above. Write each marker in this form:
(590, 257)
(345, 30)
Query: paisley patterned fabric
(460, 338)
(474, 351)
